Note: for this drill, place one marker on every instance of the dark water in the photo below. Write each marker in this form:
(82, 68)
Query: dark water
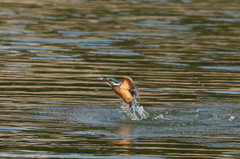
(184, 55)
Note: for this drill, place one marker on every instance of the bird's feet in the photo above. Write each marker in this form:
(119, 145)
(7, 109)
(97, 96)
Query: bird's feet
(133, 105)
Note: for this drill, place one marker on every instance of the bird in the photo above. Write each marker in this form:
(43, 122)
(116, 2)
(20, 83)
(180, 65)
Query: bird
(126, 90)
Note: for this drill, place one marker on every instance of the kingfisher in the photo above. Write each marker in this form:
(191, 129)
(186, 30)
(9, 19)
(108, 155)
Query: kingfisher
(126, 90)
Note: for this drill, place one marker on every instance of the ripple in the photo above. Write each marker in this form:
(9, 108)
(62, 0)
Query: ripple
(14, 65)
(229, 68)
(119, 52)
(231, 13)
(167, 58)
(11, 32)
(223, 92)
(224, 19)
(12, 155)
(164, 27)
(172, 63)
(31, 48)
(22, 22)
(218, 52)
(123, 33)
(15, 71)
(52, 58)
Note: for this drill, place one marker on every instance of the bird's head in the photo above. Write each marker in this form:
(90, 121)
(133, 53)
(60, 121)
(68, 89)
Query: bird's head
(112, 82)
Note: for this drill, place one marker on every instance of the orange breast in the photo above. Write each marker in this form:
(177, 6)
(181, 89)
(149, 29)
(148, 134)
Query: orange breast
(124, 94)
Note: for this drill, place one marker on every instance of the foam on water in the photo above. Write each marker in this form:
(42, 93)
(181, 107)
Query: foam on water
(138, 114)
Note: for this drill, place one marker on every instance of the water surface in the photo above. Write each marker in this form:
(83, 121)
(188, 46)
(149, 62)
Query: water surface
(183, 55)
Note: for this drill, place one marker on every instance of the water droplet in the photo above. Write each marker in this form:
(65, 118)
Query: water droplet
(231, 118)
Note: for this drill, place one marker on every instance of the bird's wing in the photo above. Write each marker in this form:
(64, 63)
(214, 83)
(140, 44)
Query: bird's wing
(129, 85)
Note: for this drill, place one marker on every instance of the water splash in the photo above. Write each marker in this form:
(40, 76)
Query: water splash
(138, 114)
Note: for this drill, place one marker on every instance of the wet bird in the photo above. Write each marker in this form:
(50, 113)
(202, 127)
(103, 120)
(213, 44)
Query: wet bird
(126, 90)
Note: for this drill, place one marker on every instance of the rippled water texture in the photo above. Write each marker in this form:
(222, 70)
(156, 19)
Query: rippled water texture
(184, 55)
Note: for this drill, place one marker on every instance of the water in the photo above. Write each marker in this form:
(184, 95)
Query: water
(183, 55)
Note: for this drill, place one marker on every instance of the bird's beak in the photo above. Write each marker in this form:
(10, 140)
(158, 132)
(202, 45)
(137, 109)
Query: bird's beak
(107, 81)
(103, 79)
